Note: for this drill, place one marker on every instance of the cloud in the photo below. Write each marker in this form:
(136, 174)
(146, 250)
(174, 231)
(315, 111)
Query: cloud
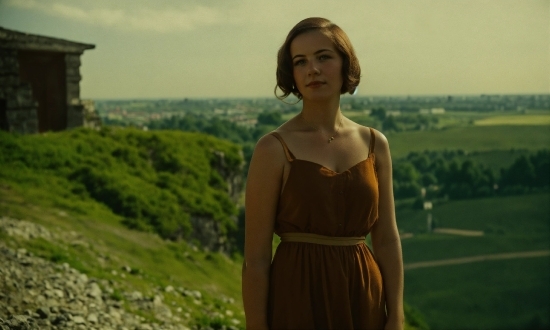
(134, 17)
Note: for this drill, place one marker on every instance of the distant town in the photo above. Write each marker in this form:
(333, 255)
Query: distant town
(244, 112)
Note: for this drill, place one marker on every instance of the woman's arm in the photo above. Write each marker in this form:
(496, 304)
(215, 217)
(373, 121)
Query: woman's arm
(385, 237)
(262, 192)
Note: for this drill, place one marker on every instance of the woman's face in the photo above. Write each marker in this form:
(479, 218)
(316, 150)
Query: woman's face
(317, 66)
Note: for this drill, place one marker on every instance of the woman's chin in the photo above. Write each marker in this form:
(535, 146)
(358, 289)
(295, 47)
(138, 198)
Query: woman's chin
(319, 96)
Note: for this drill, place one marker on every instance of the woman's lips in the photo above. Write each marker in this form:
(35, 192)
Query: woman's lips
(315, 84)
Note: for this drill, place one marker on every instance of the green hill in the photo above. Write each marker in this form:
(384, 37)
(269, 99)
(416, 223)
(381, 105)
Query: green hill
(159, 182)
(100, 186)
(74, 183)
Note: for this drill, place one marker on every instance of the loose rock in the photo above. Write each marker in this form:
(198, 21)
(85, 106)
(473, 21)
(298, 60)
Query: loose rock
(36, 293)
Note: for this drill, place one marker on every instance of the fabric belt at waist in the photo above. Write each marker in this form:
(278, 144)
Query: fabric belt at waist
(321, 239)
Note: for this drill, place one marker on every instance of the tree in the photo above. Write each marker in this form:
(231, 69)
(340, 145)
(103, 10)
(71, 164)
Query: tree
(428, 179)
(521, 173)
(405, 172)
(378, 113)
(405, 180)
(390, 124)
(541, 163)
(270, 118)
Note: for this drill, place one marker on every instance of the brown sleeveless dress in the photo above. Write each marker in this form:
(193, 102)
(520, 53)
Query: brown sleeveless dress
(324, 286)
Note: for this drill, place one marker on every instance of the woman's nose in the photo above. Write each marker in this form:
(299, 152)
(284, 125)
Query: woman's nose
(313, 69)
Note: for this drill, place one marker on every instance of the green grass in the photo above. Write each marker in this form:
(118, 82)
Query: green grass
(440, 247)
(472, 138)
(503, 294)
(529, 214)
(511, 224)
(518, 119)
(155, 262)
(138, 250)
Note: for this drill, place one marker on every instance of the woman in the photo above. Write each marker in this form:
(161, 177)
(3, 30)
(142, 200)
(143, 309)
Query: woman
(321, 182)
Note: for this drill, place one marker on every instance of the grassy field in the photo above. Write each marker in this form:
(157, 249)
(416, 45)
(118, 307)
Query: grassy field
(514, 120)
(504, 294)
(523, 220)
(527, 214)
(472, 138)
(500, 294)
(471, 131)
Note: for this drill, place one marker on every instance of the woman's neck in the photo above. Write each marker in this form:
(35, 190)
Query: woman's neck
(322, 115)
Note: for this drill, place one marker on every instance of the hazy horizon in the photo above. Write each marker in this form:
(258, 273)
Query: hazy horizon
(210, 49)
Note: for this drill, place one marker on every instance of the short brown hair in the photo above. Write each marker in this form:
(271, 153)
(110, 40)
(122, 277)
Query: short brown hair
(351, 71)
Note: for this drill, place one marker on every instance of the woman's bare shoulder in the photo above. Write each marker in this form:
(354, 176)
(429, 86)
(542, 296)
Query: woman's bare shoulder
(267, 143)
(381, 142)
(269, 149)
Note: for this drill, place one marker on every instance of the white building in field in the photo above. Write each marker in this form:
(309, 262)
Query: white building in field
(432, 111)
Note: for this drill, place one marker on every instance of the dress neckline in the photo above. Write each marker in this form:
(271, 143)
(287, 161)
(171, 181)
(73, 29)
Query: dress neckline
(371, 155)
(323, 167)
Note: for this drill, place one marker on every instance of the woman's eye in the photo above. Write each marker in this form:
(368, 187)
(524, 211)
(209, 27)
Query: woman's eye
(324, 57)
(300, 62)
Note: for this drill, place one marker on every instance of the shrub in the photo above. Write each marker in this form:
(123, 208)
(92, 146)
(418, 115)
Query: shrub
(154, 180)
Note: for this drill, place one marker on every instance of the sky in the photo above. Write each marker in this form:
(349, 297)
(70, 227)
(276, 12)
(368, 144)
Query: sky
(227, 48)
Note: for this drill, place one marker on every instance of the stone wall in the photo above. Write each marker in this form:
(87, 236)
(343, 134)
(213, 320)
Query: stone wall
(75, 109)
(21, 109)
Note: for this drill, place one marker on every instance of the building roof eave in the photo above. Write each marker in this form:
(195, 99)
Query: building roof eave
(10, 39)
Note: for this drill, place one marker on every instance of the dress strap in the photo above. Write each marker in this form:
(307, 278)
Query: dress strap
(321, 239)
(372, 141)
(288, 153)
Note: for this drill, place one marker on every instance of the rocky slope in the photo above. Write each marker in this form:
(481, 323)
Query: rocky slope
(36, 293)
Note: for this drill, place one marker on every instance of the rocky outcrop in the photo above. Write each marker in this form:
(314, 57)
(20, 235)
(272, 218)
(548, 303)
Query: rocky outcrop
(38, 294)
(233, 175)
(207, 231)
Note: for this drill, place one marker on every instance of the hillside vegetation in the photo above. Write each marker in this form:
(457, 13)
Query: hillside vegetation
(156, 181)
(94, 189)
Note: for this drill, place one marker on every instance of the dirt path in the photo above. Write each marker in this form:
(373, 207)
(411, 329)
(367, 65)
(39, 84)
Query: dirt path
(485, 257)
(461, 232)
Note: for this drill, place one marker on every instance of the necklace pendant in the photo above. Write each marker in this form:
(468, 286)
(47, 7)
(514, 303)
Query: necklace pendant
(331, 138)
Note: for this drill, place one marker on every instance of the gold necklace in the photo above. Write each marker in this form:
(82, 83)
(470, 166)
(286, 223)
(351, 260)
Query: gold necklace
(318, 128)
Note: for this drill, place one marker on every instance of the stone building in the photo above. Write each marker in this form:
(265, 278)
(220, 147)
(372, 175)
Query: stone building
(39, 83)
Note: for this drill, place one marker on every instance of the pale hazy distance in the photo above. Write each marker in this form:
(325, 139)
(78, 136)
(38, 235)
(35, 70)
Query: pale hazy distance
(215, 48)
